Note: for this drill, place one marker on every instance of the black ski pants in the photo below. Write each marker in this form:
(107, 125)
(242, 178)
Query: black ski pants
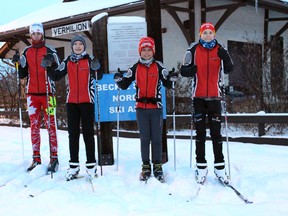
(150, 124)
(84, 113)
(211, 109)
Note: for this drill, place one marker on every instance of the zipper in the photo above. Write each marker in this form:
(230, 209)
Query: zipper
(146, 85)
(208, 68)
(37, 71)
(77, 71)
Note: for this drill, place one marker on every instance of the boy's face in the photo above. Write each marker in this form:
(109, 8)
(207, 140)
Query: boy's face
(207, 35)
(78, 47)
(146, 53)
(36, 36)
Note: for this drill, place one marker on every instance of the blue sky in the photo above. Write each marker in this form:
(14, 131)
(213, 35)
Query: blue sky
(15, 9)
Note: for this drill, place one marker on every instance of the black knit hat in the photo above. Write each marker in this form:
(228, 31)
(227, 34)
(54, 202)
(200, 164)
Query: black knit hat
(78, 38)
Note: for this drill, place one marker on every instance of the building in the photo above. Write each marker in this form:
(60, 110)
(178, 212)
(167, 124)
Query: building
(255, 33)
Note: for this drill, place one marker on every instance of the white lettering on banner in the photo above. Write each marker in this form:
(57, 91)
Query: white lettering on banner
(131, 109)
(75, 27)
(109, 87)
(123, 98)
(114, 109)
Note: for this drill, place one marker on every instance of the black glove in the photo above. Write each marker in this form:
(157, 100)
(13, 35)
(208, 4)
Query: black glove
(188, 70)
(118, 77)
(16, 58)
(48, 60)
(223, 54)
(172, 76)
(95, 65)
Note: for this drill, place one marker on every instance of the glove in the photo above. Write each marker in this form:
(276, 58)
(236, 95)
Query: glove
(188, 70)
(118, 77)
(95, 65)
(173, 76)
(48, 60)
(16, 58)
(52, 105)
(223, 54)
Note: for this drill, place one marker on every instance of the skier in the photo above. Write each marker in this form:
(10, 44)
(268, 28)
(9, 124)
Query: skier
(36, 90)
(148, 75)
(202, 62)
(81, 70)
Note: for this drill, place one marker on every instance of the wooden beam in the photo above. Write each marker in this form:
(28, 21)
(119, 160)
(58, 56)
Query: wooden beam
(180, 24)
(225, 16)
(203, 11)
(23, 39)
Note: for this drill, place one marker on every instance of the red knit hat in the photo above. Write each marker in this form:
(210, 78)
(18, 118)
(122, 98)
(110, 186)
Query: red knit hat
(146, 42)
(205, 26)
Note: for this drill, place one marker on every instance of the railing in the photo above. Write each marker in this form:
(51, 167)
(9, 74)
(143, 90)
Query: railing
(184, 121)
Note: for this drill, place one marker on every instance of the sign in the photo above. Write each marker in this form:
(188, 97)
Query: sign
(123, 39)
(110, 98)
(72, 28)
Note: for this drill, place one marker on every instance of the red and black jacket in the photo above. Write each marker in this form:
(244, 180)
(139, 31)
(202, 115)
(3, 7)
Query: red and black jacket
(208, 70)
(79, 80)
(148, 83)
(31, 68)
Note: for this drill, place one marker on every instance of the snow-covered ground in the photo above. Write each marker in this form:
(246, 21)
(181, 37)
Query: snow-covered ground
(259, 172)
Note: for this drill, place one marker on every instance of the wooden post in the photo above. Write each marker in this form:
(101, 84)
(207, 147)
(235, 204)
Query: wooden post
(100, 51)
(153, 19)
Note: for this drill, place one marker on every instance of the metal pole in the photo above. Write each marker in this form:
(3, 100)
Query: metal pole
(225, 113)
(118, 126)
(174, 123)
(20, 110)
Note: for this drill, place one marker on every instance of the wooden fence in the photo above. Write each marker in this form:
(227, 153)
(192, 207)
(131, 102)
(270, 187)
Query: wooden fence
(184, 121)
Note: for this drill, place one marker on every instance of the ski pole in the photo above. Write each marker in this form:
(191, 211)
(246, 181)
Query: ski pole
(225, 114)
(187, 61)
(192, 121)
(118, 122)
(174, 122)
(19, 106)
(98, 126)
(48, 117)
(118, 127)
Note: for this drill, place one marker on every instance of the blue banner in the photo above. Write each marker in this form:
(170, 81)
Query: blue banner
(110, 98)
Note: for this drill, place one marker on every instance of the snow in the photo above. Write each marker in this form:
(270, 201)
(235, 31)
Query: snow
(61, 10)
(259, 172)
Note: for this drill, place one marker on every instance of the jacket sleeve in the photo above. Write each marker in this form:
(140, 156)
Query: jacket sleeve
(188, 68)
(227, 60)
(128, 78)
(55, 73)
(163, 74)
(23, 67)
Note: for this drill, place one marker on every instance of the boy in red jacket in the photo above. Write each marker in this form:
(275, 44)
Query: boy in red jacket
(80, 71)
(202, 61)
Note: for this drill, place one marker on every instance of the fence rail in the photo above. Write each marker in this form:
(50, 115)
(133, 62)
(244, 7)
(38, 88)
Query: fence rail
(259, 119)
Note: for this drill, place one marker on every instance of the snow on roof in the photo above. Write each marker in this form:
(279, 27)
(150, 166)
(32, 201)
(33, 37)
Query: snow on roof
(62, 10)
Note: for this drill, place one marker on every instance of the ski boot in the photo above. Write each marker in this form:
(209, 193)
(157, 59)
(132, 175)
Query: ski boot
(146, 171)
(72, 173)
(201, 175)
(36, 161)
(91, 170)
(221, 175)
(158, 172)
(53, 165)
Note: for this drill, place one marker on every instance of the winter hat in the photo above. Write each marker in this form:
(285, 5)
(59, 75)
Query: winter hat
(146, 42)
(78, 38)
(205, 26)
(36, 27)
